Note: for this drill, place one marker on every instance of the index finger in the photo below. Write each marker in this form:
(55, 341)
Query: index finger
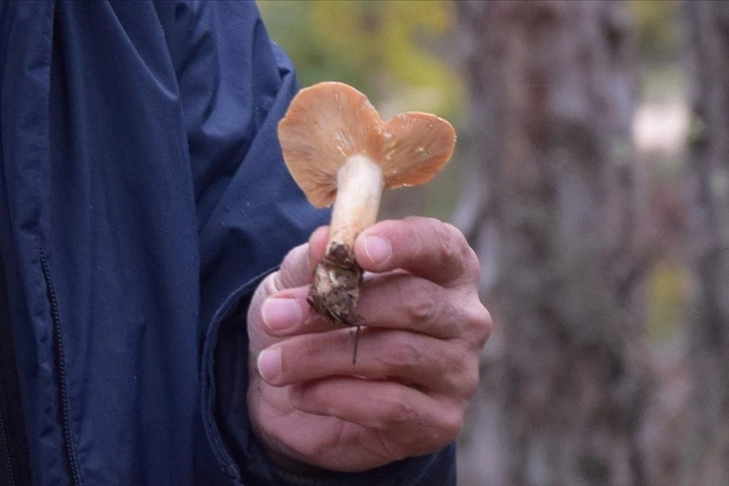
(426, 247)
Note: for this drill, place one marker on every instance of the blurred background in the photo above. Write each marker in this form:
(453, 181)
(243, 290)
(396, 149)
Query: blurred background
(592, 177)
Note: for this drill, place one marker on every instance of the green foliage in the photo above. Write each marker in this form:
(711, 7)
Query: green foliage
(665, 300)
(656, 24)
(386, 49)
(698, 130)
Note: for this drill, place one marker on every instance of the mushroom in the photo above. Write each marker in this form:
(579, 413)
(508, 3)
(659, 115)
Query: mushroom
(340, 151)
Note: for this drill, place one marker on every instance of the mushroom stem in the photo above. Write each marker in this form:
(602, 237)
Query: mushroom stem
(335, 290)
(359, 189)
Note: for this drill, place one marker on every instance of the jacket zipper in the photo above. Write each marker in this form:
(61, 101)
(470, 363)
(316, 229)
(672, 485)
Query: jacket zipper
(5, 444)
(61, 370)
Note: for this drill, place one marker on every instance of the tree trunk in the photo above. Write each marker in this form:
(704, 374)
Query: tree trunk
(553, 211)
(707, 181)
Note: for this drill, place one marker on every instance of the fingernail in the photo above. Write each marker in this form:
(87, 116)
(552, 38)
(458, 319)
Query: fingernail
(269, 364)
(378, 249)
(280, 314)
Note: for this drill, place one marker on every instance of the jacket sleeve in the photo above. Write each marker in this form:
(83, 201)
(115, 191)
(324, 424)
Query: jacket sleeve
(235, 85)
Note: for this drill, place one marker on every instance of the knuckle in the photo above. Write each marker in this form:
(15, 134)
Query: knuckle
(401, 352)
(399, 411)
(460, 371)
(485, 325)
(422, 304)
(480, 324)
(451, 423)
(450, 244)
(455, 248)
(272, 283)
(444, 235)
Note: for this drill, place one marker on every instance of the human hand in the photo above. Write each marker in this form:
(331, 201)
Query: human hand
(417, 363)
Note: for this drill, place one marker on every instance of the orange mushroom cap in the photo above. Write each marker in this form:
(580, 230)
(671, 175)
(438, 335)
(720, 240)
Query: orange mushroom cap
(329, 122)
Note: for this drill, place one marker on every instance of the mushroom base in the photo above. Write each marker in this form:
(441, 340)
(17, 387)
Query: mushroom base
(336, 287)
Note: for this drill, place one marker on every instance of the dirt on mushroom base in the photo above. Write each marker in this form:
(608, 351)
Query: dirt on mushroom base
(337, 281)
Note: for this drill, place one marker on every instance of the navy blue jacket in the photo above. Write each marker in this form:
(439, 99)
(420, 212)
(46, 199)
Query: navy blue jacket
(142, 198)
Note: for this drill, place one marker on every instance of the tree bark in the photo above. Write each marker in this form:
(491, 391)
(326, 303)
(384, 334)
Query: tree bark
(707, 182)
(555, 214)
